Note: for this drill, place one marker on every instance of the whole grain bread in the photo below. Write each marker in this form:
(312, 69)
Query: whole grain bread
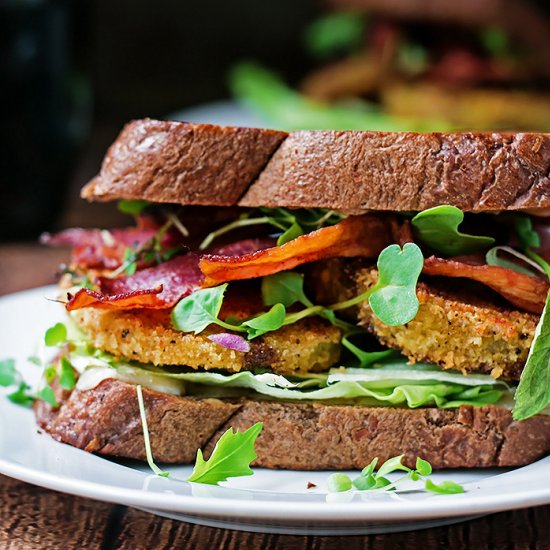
(353, 172)
(175, 162)
(361, 171)
(296, 436)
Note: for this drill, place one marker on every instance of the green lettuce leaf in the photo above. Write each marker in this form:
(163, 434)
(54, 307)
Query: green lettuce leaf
(394, 383)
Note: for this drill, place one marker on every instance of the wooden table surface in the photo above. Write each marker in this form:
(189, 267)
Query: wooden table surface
(35, 518)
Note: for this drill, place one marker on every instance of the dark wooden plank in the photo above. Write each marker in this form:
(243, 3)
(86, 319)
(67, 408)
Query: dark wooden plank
(34, 518)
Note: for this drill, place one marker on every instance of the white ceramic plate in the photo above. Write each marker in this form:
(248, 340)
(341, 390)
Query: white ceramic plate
(269, 501)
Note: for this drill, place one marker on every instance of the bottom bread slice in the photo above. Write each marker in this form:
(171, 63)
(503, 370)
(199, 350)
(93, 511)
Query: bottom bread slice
(296, 436)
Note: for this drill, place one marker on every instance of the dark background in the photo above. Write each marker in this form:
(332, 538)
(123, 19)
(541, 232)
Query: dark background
(72, 72)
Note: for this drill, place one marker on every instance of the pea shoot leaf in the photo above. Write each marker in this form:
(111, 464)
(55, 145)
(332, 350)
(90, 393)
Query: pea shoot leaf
(291, 233)
(231, 457)
(496, 256)
(132, 207)
(335, 33)
(369, 480)
(393, 299)
(533, 392)
(21, 395)
(56, 335)
(367, 358)
(198, 310)
(8, 373)
(527, 236)
(67, 379)
(423, 467)
(444, 488)
(266, 322)
(286, 287)
(391, 465)
(47, 394)
(438, 228)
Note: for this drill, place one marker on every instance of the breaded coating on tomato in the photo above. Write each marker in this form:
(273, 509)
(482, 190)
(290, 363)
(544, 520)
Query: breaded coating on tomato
(311, 345)
(456, 330)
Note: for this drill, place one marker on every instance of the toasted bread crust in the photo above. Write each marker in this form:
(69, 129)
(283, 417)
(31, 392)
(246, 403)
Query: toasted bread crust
(360, 171)
(349, 171)
(184, 163)
(296, 436)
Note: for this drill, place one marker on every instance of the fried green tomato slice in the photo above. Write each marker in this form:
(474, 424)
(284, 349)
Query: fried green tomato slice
(311, 345)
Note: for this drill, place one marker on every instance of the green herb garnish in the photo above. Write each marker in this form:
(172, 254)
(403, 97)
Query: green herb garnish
(8, 373)
(47, 394)
(336, 33)
(148, 452)
(132, 207)
(393, 298)
(533, 392)
(67, 379)
(56, 335)
(292, 223)
(21, 395)
(438, 228)
(231, 457)
(376, 481)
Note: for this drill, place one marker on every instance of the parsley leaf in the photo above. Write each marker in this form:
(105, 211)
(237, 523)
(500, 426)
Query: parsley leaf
(8, 373)
(230, 458)
(438, 228)
(56, 335)
(393, 299)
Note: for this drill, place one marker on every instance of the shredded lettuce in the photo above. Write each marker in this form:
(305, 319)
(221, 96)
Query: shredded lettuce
(393, 383)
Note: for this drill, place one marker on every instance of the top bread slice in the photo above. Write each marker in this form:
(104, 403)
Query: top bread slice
(354, 172)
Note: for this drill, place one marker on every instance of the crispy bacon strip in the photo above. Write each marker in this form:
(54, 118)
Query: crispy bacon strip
(101, 249)
(136, 299)
(157, 287)
(524, 291)
(355, 236)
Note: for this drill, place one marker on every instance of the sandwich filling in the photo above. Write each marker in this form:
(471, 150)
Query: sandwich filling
(408, 310)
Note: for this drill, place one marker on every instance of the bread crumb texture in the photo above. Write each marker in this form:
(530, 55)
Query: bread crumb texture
(470, 335)
(146, 336)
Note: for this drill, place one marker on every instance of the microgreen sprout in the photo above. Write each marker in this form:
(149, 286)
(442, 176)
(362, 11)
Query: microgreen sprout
(231, 457)
(290, 223)
(376, 481)
(438, 228)
(148, 452)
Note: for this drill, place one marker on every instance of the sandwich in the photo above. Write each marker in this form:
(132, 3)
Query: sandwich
(362, 294)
